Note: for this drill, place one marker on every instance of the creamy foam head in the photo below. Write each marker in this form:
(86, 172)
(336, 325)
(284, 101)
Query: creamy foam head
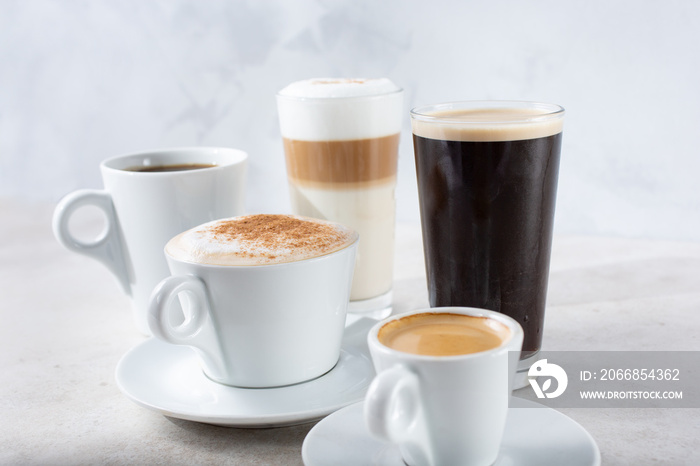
(487, 121)
(337, 109)
(259, 240)
(443, 334)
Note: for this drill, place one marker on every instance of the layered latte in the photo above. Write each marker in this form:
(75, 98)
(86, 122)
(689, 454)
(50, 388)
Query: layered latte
(341, 141)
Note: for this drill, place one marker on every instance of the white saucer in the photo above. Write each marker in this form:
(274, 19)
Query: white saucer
(168, 379)
(534, 435)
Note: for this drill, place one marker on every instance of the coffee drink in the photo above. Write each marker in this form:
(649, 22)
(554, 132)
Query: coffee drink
(487, 179)
(262, 239)
(170, 168)
(265, 297)
(144, 211)
(444, 378)
(341, 145)
(443, 334)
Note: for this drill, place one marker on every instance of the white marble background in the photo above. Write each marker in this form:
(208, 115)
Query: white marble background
(84, 80)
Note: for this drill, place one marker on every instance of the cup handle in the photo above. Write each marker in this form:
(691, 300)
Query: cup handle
(393, 412)
(107, 248)
(197, 329)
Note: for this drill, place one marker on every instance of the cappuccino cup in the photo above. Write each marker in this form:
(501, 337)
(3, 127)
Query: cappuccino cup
(264, 297)
(148, 198)
(444, 379)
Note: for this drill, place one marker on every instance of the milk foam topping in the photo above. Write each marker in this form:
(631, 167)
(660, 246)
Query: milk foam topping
(494, 121)
(339, 87)
(260, 240)
(333, 109)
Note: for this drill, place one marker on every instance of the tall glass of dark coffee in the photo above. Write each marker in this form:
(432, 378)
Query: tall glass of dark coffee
(487, 180)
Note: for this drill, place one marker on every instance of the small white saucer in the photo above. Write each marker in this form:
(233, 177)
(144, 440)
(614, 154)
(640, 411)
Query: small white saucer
(534, 435)
(168, 379)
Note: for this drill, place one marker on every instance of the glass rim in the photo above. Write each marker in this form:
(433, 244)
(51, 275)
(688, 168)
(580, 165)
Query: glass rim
(279, 95)
(426, 113)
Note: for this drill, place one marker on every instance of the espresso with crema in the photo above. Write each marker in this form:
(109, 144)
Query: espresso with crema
(443, 334)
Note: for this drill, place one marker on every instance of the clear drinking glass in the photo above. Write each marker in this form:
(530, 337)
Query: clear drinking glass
(341, 142)
(487, 180)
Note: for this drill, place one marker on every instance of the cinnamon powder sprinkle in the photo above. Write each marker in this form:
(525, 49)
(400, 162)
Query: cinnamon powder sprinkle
(265, 232)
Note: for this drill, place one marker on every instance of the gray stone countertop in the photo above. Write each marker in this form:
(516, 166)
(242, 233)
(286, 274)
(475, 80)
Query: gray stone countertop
(65, 326)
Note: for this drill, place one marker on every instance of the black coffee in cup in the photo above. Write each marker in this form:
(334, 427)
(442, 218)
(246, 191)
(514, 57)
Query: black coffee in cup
(170, 168)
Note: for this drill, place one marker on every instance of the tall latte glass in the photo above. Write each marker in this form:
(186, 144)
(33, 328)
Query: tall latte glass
(487, 179)
(341, 141)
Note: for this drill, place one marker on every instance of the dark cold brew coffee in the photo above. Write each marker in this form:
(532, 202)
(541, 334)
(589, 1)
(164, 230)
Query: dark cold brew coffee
(487, 197)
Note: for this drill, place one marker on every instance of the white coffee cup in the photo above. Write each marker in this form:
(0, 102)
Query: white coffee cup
(443, 410)
(258, 326)
(145, 209)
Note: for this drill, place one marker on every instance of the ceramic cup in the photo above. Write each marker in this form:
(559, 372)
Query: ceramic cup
(258, 326)
(443, 409)
(145, 209)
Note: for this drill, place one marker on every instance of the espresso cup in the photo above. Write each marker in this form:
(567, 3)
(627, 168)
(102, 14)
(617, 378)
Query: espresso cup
(444, 379)
(147, 199)
(264, 315)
